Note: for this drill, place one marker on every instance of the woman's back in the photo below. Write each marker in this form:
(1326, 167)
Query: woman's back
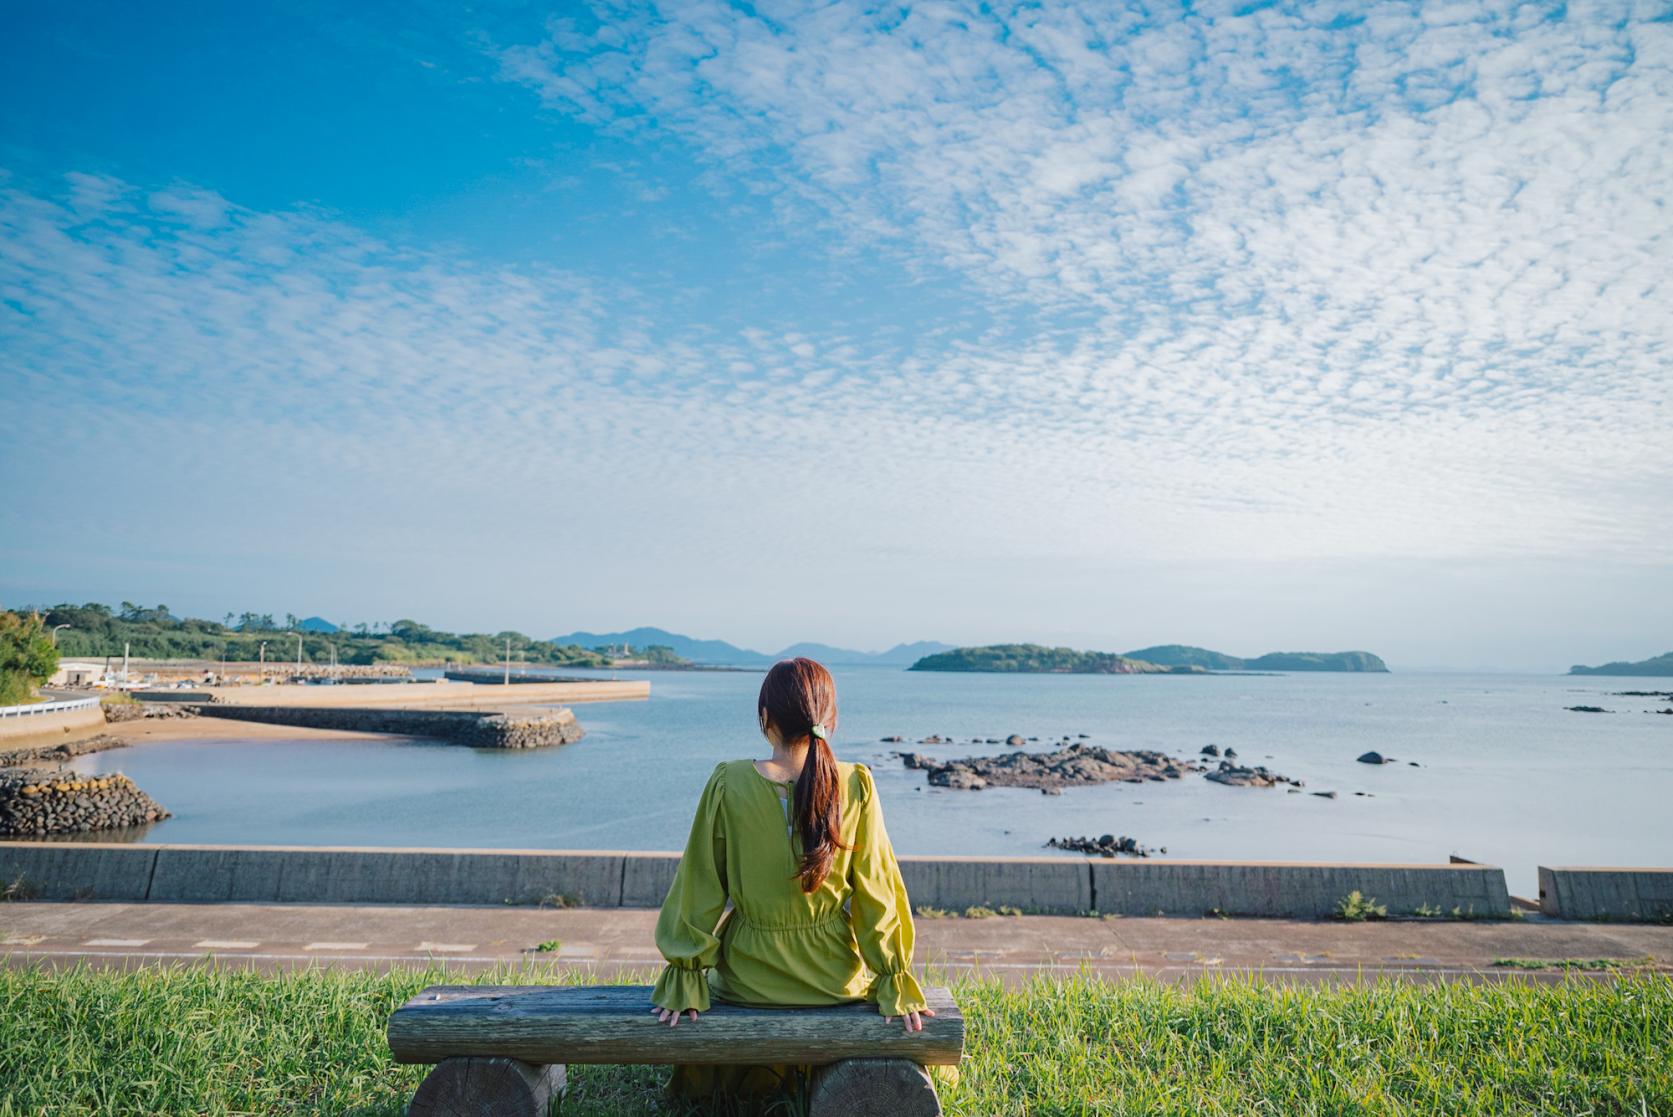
(849, 938)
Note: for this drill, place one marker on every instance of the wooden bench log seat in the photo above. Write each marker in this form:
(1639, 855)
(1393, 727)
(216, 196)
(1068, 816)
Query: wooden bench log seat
(501, 1050)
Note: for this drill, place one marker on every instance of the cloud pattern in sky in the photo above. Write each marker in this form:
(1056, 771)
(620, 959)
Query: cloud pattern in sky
(1293, 284)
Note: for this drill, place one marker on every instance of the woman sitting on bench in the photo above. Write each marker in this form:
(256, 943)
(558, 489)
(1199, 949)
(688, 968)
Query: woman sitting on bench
(819, 914)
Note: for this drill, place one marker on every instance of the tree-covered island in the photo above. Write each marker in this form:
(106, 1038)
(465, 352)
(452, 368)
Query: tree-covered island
(1177, 659)
(1660, 666)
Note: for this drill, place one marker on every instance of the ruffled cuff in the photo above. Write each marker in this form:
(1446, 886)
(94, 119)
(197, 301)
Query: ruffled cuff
(898, 993)
(679, 988)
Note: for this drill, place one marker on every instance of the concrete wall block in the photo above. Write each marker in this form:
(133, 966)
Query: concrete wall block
(79, 871)
(1634, 895)
(1300, 890)
(1034, 884)
(646, 878)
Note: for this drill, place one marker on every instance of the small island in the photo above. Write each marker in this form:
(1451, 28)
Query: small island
(1166, 659)
(1660, 666)
(1038, 659)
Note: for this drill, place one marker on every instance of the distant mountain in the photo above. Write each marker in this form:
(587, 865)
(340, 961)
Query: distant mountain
(1036, 659)
(1660, 666)
(716, 652)
(1183, 655)
(317, 624)
(901, 655)
(720, 653)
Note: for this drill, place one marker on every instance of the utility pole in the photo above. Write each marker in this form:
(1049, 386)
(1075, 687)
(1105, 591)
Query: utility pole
(262, 663)
(508, 661)
(299, 655)
(125, 646)
(55, 629)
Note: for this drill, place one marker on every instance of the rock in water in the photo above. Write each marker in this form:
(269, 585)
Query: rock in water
(1069, 766)
(1211, 750)
(1233, 775)
(1105, 845)
(1374, 757)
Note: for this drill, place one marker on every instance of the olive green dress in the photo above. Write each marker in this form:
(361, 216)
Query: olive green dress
(848, 940)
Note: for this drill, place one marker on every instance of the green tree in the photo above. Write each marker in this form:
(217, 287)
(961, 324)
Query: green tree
(27, 657)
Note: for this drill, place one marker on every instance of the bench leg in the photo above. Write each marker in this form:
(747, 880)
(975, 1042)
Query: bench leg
(488, 1087)
(873, 1088)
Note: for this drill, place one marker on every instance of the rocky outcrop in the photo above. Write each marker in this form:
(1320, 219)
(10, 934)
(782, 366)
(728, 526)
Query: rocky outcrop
(1075, 764)
(35, 801)
(1106, 845)
(1234, 775)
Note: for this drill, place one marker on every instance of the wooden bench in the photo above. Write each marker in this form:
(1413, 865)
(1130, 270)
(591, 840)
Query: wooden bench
(501, 1049)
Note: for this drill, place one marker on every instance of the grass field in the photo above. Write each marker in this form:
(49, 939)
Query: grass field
(213, 1041)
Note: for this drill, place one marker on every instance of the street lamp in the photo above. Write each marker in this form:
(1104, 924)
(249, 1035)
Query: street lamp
(55, 629)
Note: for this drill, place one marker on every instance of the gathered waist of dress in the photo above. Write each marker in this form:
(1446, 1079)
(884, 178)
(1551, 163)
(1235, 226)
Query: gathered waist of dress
(837, 915)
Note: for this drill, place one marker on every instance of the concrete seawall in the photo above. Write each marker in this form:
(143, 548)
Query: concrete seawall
(1629, 895)
(536, 729)
(38, 728)
(601, 878)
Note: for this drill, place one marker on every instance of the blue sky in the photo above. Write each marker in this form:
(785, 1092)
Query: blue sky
(1254, 326)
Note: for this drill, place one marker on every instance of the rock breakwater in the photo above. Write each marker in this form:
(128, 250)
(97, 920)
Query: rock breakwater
(463, 727)
(35, 802)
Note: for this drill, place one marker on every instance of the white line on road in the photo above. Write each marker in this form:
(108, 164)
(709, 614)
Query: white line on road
(335, 946)
(447, 947)
(226, 944)
(115, 942)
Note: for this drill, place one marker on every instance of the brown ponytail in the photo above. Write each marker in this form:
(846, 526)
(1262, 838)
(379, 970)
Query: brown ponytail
(798, 697)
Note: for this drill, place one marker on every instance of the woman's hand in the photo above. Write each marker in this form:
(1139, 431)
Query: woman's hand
(672, 1019)
(914, 1021)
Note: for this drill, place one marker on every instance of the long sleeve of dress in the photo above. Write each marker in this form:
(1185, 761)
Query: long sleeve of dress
(685, 931)
(880, 910)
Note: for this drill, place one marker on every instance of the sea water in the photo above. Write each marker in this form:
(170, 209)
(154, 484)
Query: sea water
(1505, 775)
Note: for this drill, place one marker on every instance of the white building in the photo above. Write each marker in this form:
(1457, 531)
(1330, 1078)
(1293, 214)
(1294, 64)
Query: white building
(77, 674)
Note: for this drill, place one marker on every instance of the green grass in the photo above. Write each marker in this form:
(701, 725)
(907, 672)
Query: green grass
(1573, 963)
(222, 1041)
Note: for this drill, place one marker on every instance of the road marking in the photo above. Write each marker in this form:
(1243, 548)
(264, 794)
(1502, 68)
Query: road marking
(447, 947)
(335, 946)
(115, 942)
(226, 944)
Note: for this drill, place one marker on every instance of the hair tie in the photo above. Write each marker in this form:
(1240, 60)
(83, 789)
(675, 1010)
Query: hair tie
(818, 731)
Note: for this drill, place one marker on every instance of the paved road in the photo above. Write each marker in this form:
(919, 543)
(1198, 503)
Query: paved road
(619, 941)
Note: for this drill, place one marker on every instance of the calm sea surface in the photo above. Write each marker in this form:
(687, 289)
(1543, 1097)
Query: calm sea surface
(1507, 775)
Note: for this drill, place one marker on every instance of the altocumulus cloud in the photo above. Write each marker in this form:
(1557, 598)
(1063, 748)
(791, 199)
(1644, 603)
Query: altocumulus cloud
(1324, 282)
(1415, 251)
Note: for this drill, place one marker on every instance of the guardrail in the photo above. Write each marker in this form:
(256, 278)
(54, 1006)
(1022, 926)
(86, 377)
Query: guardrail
(47, 707)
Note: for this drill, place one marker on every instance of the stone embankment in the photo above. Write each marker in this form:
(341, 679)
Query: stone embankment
(1051, 771)
(61, 754)
(35, 801)
(462, 727)
(116, 712)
